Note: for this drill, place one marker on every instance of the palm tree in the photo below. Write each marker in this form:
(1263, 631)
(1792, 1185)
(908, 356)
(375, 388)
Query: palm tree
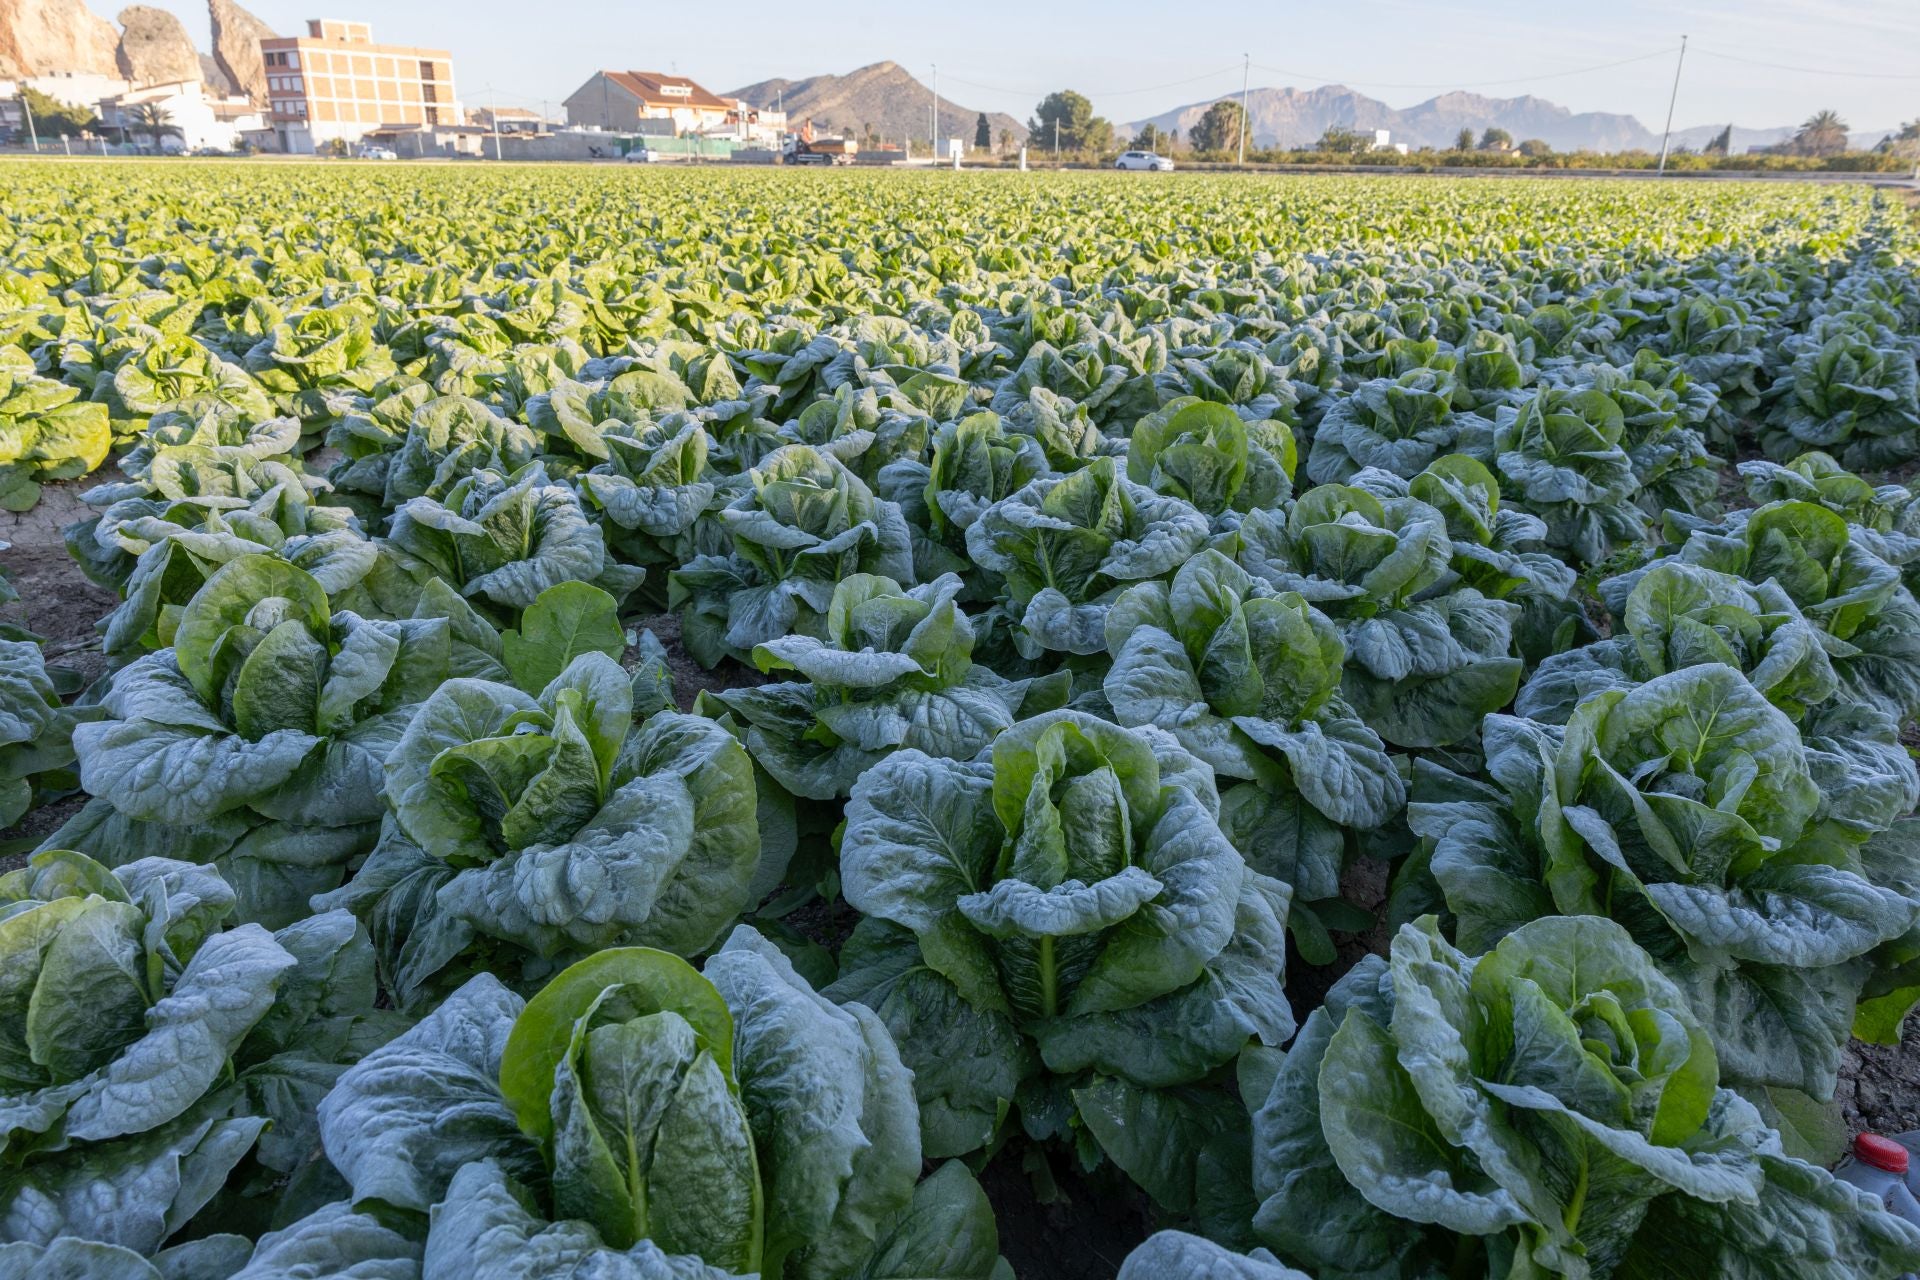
(1824, 134)
(153, 120)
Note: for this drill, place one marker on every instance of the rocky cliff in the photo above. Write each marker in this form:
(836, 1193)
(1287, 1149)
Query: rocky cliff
(155, 47)
(236, 48)
(41, 37)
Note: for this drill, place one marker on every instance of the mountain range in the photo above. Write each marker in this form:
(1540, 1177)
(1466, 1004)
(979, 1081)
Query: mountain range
(883, 98)
(1297, 117)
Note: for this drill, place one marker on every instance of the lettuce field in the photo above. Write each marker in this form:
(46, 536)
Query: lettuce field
(651, 725)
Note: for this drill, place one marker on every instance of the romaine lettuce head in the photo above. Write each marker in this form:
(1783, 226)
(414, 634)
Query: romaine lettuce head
(1426, 657)
(895, 670)
(805, 523)
(1071, 895)
(1561, 456)
(1067, 545)
(1397, 424)
(259, 741)
(1686, 808)
(503, 539)
(550, 823)
(1206, 454)
(1852, 389)
(1552, 1106)
(46, 432)
(146, 1050)
(638, 1112)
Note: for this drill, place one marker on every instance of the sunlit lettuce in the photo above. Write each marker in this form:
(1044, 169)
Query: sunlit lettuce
(1062, 924)
(268, 702)
(1210, 456)
(806, 523)
(46, 432)
(651, 486)
(1426, 659)
(1067, 545)
(1551, 1108)
(321, 363)
(1869, 619)
(1686, 808)
(894, 671)
(971, 464)
(149, 1052)
(535, 827)
(175, 371)
(643, 1119)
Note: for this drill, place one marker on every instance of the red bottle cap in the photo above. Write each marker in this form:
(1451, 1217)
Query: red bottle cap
(1881, 1153)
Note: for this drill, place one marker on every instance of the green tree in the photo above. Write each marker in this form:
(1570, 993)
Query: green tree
(1463, 141)
(155, 121)
(1219, 129)
(1904, 141)
(1824, 134)
(1721, 143)
(1150, 138)
(1344, 141)
(55, 119)
(1006, 141)
(1080, 129)
(1496, 139)
(982, 134)
(1536, 149)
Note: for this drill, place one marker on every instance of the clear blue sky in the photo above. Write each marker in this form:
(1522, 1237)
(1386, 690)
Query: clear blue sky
(1127, 55)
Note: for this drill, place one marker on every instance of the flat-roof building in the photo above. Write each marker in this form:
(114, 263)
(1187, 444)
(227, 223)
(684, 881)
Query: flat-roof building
(336, 84)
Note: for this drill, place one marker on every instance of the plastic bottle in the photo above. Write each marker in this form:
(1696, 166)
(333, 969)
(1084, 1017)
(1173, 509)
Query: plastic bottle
(1878, 1166)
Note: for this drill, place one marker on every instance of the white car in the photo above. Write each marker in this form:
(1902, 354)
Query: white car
(1143, 160)
(378, 153)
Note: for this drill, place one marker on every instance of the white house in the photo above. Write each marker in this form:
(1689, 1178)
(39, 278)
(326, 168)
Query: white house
(193, 119)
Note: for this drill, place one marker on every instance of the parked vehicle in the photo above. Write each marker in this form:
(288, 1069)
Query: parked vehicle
(1146, 160)
(641, 155)
(378, 153)
(799, 150)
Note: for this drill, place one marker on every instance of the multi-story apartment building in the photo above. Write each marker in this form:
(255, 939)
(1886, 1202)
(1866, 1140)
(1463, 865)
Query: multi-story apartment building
(336, 84)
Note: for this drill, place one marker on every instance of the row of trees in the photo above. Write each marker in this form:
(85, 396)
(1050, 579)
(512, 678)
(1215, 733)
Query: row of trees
(1066, 118)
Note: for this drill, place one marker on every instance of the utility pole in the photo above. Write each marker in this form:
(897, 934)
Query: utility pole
(1056, 139)
(26, 109)
(1246, 71)
(493, 116)
(1671, 99)
(933, 115)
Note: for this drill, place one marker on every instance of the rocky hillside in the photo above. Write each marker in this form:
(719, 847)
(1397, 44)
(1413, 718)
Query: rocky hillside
(39, 37)
(152, 46)
(1296, 117)
(884, 96)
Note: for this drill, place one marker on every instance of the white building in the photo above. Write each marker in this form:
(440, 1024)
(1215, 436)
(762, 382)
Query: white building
(193, 119)
(72, 89)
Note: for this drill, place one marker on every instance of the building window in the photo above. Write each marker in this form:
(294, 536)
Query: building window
(426, 71)
(290, 60)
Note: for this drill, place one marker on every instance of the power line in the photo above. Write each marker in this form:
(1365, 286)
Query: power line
(1811, 71)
